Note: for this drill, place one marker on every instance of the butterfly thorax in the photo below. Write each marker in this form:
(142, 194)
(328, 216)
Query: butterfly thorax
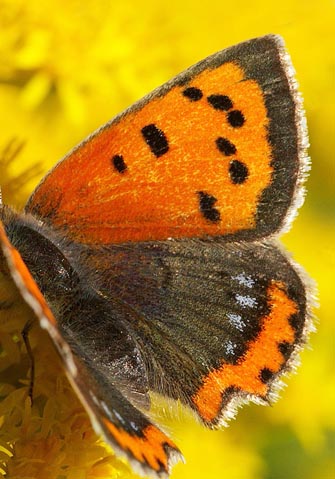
(47, 264)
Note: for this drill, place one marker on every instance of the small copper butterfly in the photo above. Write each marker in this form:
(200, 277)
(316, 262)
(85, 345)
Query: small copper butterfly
(150, 253)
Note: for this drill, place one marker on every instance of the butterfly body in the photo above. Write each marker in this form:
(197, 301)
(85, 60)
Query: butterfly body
(149, 256)
(63, 284)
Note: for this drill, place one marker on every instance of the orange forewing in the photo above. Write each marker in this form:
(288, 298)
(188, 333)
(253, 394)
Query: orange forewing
(157, 197)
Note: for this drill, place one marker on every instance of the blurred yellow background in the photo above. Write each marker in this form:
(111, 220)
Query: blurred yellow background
(66, 67)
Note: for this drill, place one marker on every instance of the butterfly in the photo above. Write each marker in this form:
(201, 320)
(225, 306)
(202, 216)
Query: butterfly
(150, 253)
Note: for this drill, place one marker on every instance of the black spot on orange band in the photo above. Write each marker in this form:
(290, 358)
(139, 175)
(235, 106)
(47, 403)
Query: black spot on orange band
(220, 102)
(295, 321)
(155, 139)
(286, 349)
(206, 203)
(265, 375)
(238, 172)
(236, 118)
(193, 93)
(225, 146)
(119, 164)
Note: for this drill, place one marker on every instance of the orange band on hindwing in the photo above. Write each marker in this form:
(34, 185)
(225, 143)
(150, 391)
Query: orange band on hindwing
(263, 354)
(148, 448)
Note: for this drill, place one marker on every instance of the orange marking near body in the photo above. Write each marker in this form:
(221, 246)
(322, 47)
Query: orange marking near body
(157, 197)
(262, 353)
(146, 448)
(19, 268)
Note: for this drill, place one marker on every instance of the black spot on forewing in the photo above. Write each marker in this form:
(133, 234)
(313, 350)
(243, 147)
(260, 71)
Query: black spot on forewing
(155, 139)
(193, 94)
(206, 203)
(238, 172)
(236, 118)
(220, 102)
(119, 164)
(225, 146)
